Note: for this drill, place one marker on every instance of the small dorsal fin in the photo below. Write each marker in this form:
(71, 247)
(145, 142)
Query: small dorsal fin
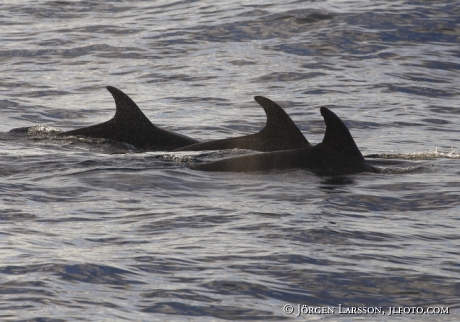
(279, 124)
(337, 135)
(126, 110)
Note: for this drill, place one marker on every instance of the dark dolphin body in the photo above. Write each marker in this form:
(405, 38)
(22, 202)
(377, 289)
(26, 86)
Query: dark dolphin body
(130, 125)
(280, 133)
(337, 154)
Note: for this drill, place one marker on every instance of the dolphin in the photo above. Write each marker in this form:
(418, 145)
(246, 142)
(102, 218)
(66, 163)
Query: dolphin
(336, 154)
(279, 133)
(131, 126)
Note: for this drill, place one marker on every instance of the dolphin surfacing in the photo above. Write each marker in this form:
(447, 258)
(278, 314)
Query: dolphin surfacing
(131, 126)
(280, 133)
(337, 154)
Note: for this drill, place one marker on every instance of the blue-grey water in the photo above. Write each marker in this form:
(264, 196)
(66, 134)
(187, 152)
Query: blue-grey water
(93, 230)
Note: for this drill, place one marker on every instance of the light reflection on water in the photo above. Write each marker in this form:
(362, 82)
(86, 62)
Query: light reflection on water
(96, 231)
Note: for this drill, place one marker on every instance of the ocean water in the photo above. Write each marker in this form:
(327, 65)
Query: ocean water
(92, 230)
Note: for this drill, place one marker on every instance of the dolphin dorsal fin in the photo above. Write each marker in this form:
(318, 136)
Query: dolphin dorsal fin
(127, 112)
(279, 124)
(337, 135)
(131, 126)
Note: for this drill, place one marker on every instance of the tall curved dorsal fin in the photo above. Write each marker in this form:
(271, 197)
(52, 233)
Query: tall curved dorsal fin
(130, 125)
(279, 124)
(337, 135)
(126, 110)
(279, 133)
(127, 120)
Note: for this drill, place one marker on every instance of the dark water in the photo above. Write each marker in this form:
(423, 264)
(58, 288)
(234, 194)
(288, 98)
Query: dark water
(95, 231)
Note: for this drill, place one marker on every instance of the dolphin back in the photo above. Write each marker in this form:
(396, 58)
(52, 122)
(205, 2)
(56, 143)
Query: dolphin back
(279, 133)
(131, 126)
(336, 155)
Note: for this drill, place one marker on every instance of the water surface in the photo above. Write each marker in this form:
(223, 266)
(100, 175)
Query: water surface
(97, 231)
